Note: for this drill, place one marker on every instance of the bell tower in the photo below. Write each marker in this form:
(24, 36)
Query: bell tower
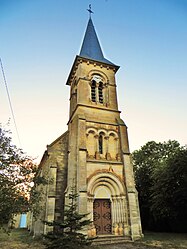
(99, 160)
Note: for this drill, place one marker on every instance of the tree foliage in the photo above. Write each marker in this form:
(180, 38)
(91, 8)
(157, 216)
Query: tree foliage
(16, 175)
(37, 194)
(66, 234)
(161, 180)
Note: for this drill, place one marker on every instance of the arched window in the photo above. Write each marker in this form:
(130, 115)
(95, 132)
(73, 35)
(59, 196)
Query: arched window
(93, 91)
(100, 91)
(100, 144)
(97, 89)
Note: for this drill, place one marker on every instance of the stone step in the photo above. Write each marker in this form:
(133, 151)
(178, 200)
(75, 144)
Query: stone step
(110, 239)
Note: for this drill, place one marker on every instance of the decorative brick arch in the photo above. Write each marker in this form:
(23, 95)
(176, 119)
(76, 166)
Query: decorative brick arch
(113, 182)
(112, 133)
(98, 72)
(91, 130)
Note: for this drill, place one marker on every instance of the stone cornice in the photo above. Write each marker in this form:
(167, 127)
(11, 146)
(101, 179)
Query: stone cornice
(79, 59)
(91, 106)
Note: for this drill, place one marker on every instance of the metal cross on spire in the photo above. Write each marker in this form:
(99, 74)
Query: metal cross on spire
(90, 10)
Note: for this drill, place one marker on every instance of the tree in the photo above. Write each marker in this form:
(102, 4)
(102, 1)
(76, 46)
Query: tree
(66, 234)
(169, 195)
(158, 174)
(36, 194)
(16, 175)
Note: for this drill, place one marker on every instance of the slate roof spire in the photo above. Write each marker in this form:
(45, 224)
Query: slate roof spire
(91, 48)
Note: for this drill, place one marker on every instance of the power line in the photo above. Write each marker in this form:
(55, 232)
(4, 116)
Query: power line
(9, 100)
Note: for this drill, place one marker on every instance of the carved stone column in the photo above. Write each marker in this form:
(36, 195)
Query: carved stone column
(114, 217)
(97, 92)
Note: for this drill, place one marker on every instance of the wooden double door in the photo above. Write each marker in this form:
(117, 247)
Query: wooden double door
(102, 216)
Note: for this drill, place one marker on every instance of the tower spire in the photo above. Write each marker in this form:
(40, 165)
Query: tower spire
(91, 48)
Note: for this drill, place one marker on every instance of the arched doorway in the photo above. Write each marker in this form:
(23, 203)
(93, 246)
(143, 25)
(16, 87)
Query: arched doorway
(107, 203)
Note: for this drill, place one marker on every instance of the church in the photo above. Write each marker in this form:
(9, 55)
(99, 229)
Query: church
(93, 154)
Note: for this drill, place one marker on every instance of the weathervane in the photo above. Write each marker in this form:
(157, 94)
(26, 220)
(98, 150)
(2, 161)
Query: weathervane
(90, 10)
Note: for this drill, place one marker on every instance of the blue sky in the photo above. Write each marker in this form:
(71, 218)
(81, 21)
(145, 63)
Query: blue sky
(146, 38)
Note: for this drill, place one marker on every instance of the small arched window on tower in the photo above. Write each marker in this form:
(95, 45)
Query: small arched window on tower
(100, 143)
(100, 91)
(93, 91)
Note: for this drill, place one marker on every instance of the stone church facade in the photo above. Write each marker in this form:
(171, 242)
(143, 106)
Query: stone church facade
(93, 154)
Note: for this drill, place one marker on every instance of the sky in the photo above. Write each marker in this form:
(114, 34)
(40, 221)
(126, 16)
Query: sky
(39, 40)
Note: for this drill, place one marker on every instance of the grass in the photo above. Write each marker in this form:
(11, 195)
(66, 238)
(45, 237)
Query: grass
(165, 240)
(20, 239)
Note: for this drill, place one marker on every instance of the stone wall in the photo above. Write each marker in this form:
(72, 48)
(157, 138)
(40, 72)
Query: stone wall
(53, 167)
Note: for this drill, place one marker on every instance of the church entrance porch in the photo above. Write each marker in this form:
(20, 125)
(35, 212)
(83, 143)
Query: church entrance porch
(102, 216)
(107, 205)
